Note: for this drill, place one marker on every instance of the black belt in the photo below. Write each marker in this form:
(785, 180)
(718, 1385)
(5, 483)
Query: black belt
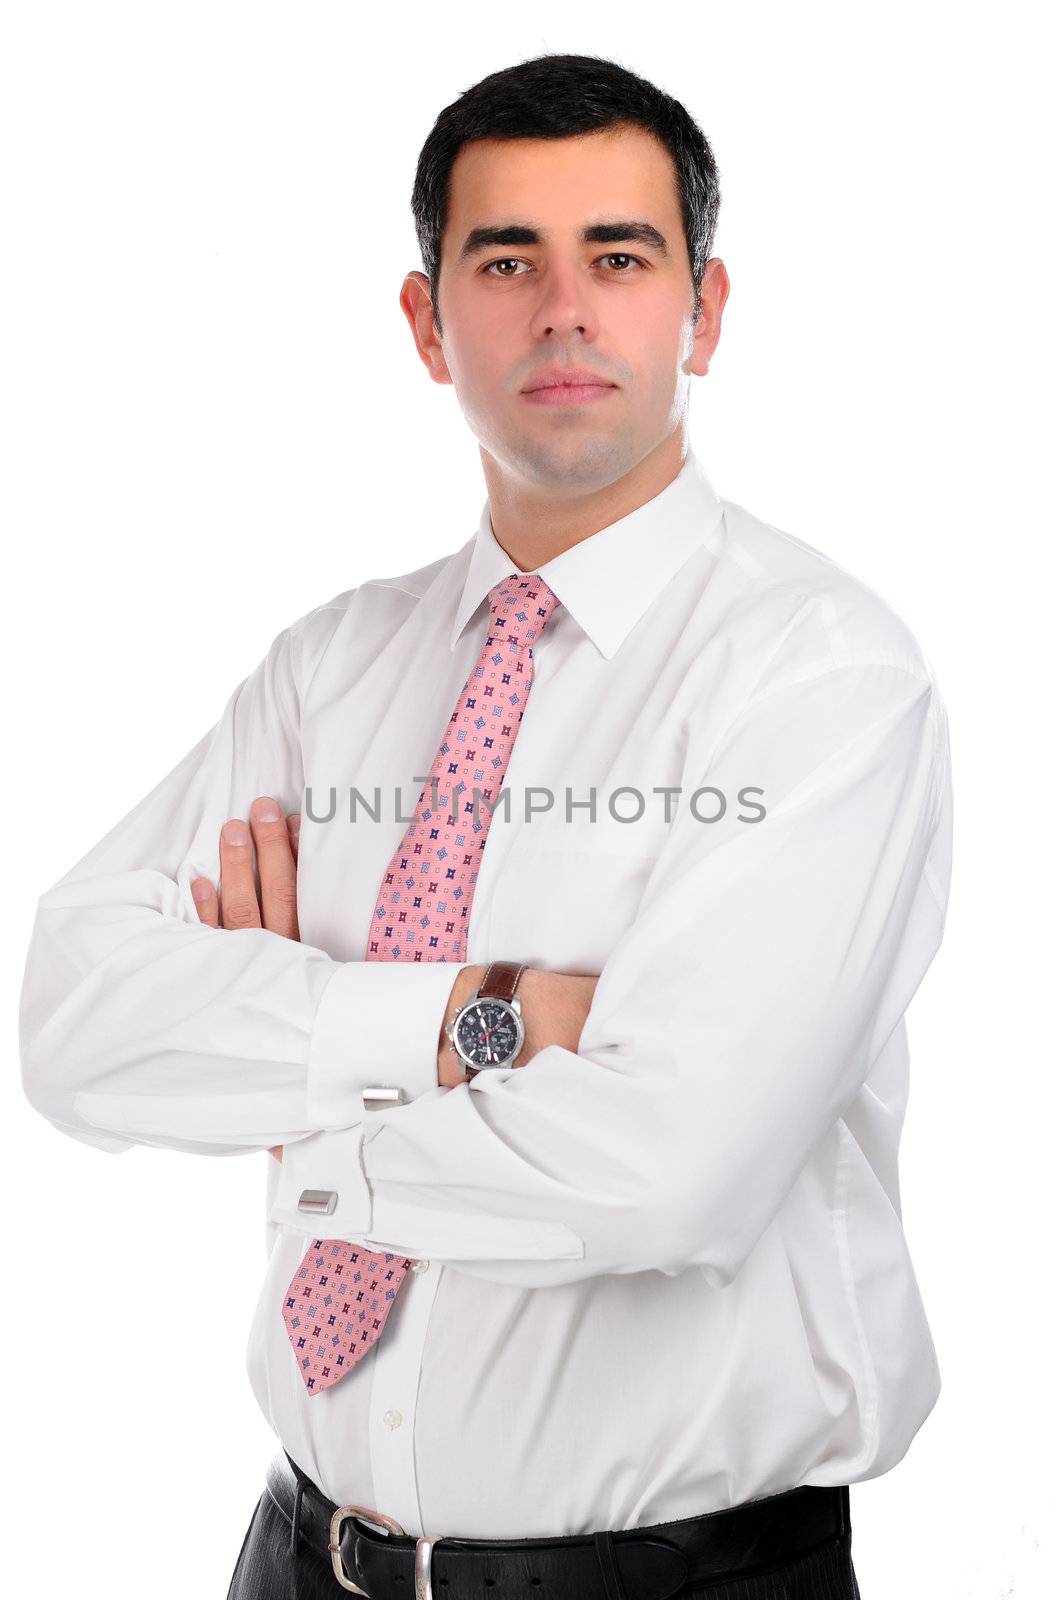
(372, 1555)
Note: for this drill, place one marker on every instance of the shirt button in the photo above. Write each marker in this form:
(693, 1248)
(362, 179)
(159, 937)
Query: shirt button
(419, 1266)
(392, 1418)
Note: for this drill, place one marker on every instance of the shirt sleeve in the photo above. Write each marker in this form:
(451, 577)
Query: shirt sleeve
(733, 1023)
(141, 1025)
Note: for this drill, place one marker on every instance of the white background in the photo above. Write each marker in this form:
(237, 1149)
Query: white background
(214, 419)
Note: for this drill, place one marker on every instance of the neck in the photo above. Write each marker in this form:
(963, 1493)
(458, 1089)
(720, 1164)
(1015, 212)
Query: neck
(533, 525)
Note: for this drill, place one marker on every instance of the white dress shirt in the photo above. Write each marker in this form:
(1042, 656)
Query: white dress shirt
(657, 1277)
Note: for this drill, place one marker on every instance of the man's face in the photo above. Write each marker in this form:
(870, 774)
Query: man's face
(515, 306)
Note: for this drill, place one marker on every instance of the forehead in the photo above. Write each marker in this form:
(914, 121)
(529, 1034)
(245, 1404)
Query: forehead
(558, 185)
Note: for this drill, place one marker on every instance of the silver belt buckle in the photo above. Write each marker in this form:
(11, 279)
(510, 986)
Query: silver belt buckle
(422, 1571)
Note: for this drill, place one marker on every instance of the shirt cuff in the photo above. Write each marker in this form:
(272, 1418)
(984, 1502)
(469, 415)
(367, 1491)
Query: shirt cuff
(331, 1166)
(329, 1162)
(377, 1024)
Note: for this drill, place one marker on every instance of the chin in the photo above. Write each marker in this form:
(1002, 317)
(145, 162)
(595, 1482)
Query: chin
(593, 461)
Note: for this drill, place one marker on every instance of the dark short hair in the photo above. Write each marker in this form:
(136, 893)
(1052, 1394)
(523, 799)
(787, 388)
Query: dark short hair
(558, 97)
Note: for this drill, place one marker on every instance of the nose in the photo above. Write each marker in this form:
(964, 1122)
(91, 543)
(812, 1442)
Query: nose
(565, 307)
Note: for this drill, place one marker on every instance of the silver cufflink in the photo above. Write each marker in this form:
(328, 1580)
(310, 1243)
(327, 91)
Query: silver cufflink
(320, 1201)
(375, 1098)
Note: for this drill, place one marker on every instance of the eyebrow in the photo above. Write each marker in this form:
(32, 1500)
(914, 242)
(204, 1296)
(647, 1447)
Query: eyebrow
(596, 233)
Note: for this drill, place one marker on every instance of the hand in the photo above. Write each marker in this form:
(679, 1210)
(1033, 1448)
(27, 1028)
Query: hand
(273, 905)
(237, 903)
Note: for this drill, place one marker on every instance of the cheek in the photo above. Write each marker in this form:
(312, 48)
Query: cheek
(479, 364)
(653, 346)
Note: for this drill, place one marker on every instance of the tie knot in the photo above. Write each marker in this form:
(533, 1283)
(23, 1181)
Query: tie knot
(522, 605)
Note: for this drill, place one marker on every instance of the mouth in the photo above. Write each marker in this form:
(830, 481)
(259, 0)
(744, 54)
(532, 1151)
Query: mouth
(565, 392)
(567, 386)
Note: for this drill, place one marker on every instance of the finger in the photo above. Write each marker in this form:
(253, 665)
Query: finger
(239, 902)
(276, 867)
(206, 898)
(293, 833)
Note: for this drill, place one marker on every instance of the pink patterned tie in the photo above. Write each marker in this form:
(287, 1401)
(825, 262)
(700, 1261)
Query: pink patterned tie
(336, 1305)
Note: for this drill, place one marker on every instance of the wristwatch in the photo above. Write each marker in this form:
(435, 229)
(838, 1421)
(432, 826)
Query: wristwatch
(488, 1030)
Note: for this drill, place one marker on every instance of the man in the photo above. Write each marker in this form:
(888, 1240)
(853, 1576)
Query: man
(587, 1063)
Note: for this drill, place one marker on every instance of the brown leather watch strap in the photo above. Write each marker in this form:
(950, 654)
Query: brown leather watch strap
(500, 980)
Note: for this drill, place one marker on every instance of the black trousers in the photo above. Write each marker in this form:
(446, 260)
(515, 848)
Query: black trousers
(268, 1568)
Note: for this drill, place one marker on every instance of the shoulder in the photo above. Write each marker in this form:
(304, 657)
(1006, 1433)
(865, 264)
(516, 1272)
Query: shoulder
(369, 610)
(813, 613)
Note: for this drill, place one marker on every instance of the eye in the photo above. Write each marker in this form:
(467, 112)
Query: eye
(504, 261)
(512, 261)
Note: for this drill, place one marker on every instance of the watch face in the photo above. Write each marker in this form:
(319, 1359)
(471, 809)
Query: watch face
(489, 1033)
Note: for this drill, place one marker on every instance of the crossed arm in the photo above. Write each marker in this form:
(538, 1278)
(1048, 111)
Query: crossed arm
(554, 1004)
(735, 1020)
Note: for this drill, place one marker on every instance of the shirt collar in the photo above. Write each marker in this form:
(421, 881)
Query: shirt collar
(609, 580)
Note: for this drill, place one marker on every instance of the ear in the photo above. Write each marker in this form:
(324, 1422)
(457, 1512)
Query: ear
(715, 287)
(415, 299)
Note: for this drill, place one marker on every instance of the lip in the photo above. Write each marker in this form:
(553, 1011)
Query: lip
(560, 386)
(578, 380)
(569, 394)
